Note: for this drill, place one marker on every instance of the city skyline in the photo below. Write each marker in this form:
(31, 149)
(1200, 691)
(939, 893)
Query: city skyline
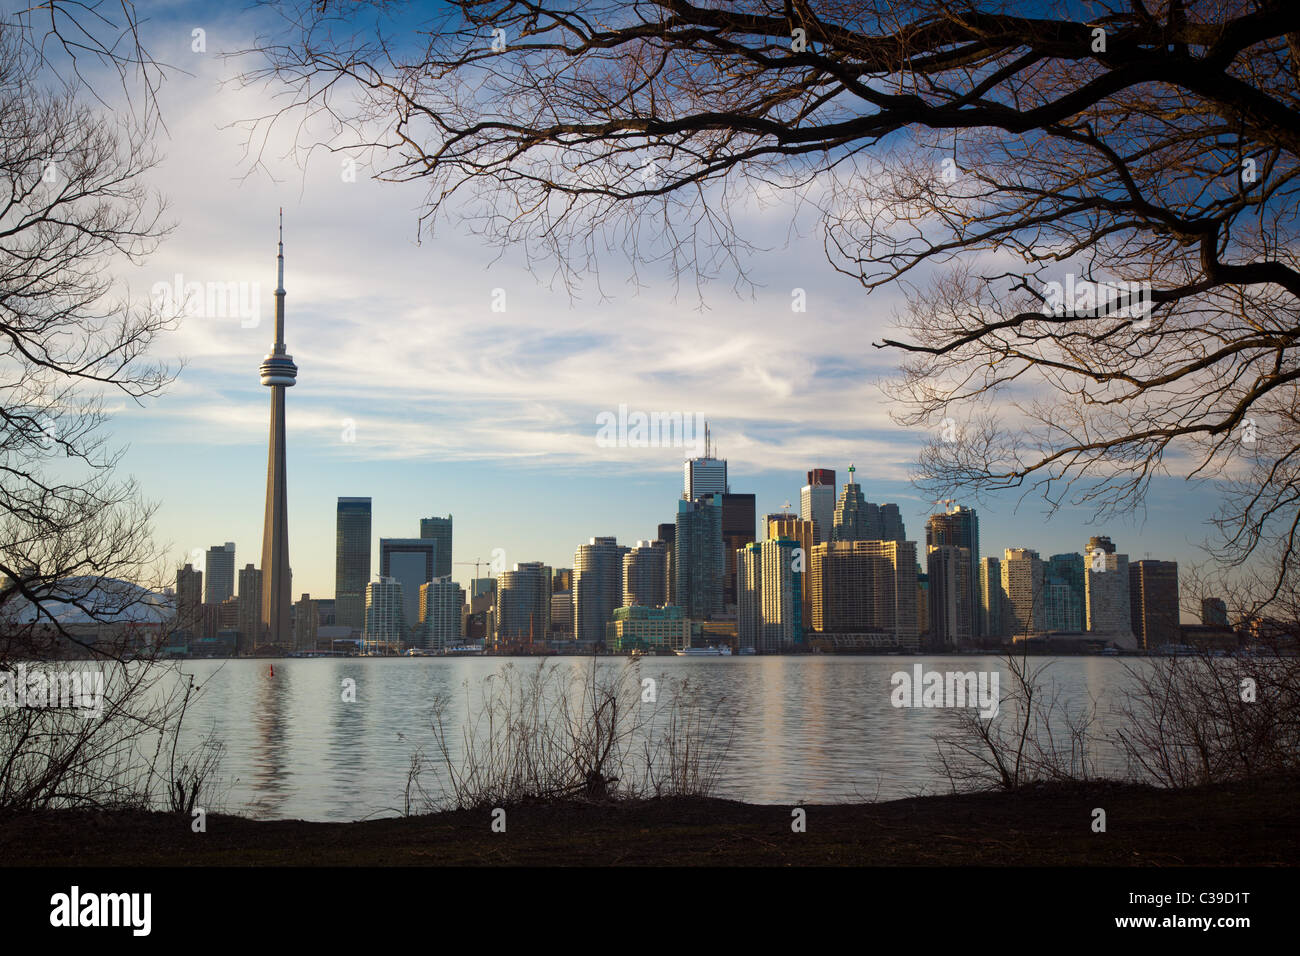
(375, 556)
(471, 398)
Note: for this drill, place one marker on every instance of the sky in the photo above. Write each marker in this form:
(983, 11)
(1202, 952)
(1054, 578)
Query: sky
(413, 390)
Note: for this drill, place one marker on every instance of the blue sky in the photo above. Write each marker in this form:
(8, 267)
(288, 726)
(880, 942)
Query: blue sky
(491, 416)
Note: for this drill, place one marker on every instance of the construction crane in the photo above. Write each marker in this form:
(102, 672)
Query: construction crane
(477, 563)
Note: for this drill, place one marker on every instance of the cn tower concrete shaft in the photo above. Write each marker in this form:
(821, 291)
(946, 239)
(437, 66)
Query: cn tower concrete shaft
(278, 373)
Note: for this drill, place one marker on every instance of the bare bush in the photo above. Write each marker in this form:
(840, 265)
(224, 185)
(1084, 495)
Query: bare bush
(1189, 721)
(123, 753)
(549, 734)
(1033, 738)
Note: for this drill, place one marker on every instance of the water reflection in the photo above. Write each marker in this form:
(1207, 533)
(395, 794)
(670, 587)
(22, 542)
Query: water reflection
(814, 729)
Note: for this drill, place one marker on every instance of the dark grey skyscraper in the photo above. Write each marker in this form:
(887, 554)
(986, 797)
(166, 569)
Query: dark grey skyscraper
(960, 528)
(249, 609)
(351, 562)
(856, 519)
(219, 573)
(951, 617)
(698, 560)
(278, 373)
(738, 530)
(1214, 612)
(1153, 601)
(439, 529)
(189, 593)
(668, 535)
(891, 523)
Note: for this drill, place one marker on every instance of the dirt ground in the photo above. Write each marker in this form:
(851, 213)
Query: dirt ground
(1223, 825)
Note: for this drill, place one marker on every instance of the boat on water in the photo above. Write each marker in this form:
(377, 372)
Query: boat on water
(723, 651)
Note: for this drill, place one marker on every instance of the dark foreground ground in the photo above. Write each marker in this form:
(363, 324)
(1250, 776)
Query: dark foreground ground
(1225, 824)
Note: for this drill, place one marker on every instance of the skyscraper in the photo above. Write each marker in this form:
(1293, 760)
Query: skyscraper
(951, 620)
(817, 503)
(738, 528)
(441, 602)
(1106, 586)
(866, 587)
(597, 588)
(749, 597)
(705, 475)
(1022, 581)
(249, 614)
(856, 519)
(219, 573)
(959, 527)
(803, 532)
(189, 595)
(891, 523)
(561, 580)
(524, 603)
(668, 535)
(306, 623)
(782, 596)
(386, 627)
(1214, 612)
(439, 530)
(351, 561)
(278, 373)
(1066, 593)
(992, 600)
(562, 615)
(698, 559)
(410, 562)
(645, 575)
(1153, 596)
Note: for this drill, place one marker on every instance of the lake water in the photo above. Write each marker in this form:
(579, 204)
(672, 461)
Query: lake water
(813, 729)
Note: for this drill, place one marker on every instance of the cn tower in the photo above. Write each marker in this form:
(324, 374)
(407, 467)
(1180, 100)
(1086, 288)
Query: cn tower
(278, 373)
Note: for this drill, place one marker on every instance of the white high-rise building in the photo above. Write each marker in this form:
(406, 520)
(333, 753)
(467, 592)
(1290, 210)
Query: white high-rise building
(385, 616)
(817, 503)
(441, 602)
(705, 476)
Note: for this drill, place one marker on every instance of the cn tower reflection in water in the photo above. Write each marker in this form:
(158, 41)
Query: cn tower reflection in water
(803, 729)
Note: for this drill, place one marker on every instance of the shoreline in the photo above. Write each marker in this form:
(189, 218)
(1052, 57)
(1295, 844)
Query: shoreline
(1225, 824)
